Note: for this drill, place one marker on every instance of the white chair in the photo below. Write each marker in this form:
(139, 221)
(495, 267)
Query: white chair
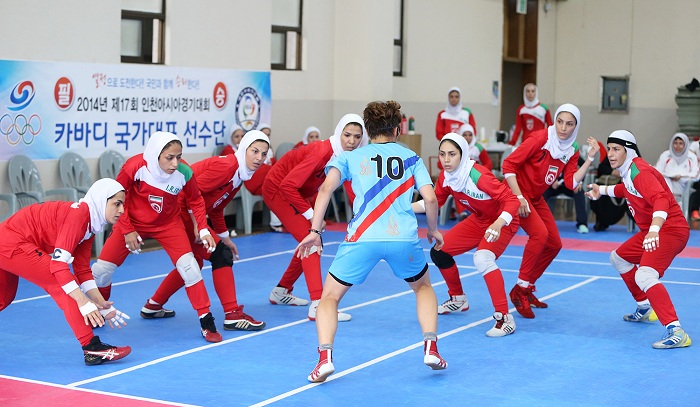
(75, 173)
(282, 149)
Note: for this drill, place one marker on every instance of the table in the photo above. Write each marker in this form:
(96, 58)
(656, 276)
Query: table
(413, 141)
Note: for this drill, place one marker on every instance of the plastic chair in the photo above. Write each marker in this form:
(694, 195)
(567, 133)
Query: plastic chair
(12, 205)
(25, 182)
(283, 149)
(244, 208)
(218, 150)
(110, 163)
(75, 173)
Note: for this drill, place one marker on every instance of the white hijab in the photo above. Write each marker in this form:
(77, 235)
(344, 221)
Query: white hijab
(683, 155)
(243, 173)
(344, 121)
(536, 100)
(457, 179)
(562, 148)
(473, 150)
(152, 151)
(308, 131)
(96, 198)
(630, 142)
(229, 141)
(454, 110)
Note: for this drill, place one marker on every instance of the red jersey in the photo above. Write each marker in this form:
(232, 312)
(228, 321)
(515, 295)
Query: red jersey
(447, 123)
(227, 150)
(529, 120)
(300, 173)
(484, 195)
(214, 178)
(152, 204)
(49, 226)
(647, 192)
(535, 167)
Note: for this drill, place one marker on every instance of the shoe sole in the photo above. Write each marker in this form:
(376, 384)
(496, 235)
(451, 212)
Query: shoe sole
(291, 305)
(155, 315)
(684, 343)
(450, 312)
(100, 360)
(249, 327)
(433, 362)
(322, 376)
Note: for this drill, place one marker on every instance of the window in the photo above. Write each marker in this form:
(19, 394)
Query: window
(143, 25)
(398, 38)
(286, 34)
(615, 96)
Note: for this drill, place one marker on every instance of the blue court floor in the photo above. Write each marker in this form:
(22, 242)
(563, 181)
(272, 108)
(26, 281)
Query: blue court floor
(577, 352)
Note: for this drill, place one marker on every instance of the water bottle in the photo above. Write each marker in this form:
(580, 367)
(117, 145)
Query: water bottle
(411, 125)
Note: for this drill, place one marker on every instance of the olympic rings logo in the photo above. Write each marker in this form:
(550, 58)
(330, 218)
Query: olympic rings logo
(24, 128)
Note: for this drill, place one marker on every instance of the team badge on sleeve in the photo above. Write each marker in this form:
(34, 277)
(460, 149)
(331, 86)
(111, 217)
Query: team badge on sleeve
(62, 255)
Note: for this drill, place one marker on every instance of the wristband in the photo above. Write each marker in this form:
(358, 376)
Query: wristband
(204, 232)
(308, 214)
(318, 232)
(421, 203)
(69, 287)
(87, 308)
(589, 158)
(507, 217)
(654, 229)
(88, 285)
(520, 197)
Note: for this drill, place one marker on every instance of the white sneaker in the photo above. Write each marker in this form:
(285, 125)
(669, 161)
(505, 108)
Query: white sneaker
(454, 304)
(282, 296)
(505, 325)
(342, 317)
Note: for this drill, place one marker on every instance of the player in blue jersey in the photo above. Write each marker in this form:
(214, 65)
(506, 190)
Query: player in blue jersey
(383, 175)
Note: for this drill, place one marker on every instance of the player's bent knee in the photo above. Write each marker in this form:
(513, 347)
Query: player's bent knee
(221, 257)
(441, 259)
(485, 261)
(621, 265)
(102, 272)
(189, 269)
(646, 277)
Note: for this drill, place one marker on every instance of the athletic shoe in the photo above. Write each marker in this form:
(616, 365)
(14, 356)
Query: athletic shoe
(209, 329)
(278, 229)
(534, 302)
(505, 325)
(150, 311)
(96, 352)
(324, 368)
(454, 304)
(642, 314)
(431, 357)
(675, 337)
(582, 229)
(240, 321)
(282, 296)
(518, 296)
(342, 317)
(695, 215)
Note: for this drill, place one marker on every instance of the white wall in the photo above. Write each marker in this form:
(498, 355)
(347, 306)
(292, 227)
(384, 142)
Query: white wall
(347, 57)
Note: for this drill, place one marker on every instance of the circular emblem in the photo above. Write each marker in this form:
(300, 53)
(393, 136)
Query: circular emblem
(248, 109)
(63, 93)
(220, 95)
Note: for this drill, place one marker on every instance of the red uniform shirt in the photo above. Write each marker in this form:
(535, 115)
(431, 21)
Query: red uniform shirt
(529, 120)
(299, 173)
(214, 178)
(447, 123)
(646, 192)
(151, 204)
(535, 167)
(482, 189)
(52, 225)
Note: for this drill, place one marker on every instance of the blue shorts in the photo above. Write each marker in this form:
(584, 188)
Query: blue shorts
(354, 261)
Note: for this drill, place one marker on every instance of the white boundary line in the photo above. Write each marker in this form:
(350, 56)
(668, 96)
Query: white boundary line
(60, 386)
(403, 350)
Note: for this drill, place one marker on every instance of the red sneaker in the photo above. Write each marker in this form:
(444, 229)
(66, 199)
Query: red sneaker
(240, 321)
(533, 300)
(519, 298)
(324, 368)
(96, 352)
(209, 329)
(431, 356)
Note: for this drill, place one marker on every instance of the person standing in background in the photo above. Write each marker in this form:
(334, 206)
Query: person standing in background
(531, 115)
(454, 115)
